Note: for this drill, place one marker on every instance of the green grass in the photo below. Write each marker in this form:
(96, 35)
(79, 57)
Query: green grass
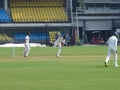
(79, 68)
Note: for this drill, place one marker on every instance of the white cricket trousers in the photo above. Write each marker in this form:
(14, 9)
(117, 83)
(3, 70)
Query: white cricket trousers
(111, 51)
(26, 50)
(59, 48)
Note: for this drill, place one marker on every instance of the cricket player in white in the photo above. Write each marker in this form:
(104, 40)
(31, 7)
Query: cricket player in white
(112, 49)
(27, 45)
(59, 43)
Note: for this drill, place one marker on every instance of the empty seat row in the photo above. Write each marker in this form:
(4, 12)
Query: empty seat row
(4, 17)
(34, 11)
(34, 37)
(19, 3)
(42, 14)
(38, 11)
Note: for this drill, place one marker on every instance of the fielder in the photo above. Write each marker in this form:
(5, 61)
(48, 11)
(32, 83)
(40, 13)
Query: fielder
(59, 43)
(27, 45)
(112, 49)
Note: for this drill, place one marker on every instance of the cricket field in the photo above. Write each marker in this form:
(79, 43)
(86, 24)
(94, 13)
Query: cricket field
(79, 68)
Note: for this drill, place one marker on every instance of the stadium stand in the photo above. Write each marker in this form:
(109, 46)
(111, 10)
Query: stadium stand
(4, 17)
(38, 11)
(34, 37)
(33, 11)
(24, 3)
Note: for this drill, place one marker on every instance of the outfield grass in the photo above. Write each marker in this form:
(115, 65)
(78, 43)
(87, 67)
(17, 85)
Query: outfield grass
(79, 68)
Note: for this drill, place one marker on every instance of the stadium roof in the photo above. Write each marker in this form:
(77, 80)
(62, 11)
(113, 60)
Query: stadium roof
(101, 1)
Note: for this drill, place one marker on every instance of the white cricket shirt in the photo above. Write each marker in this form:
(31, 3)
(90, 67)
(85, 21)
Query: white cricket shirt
(27, 38)
(112, 42)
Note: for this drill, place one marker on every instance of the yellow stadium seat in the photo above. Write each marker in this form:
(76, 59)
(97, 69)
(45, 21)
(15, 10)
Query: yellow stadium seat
(38, 10)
